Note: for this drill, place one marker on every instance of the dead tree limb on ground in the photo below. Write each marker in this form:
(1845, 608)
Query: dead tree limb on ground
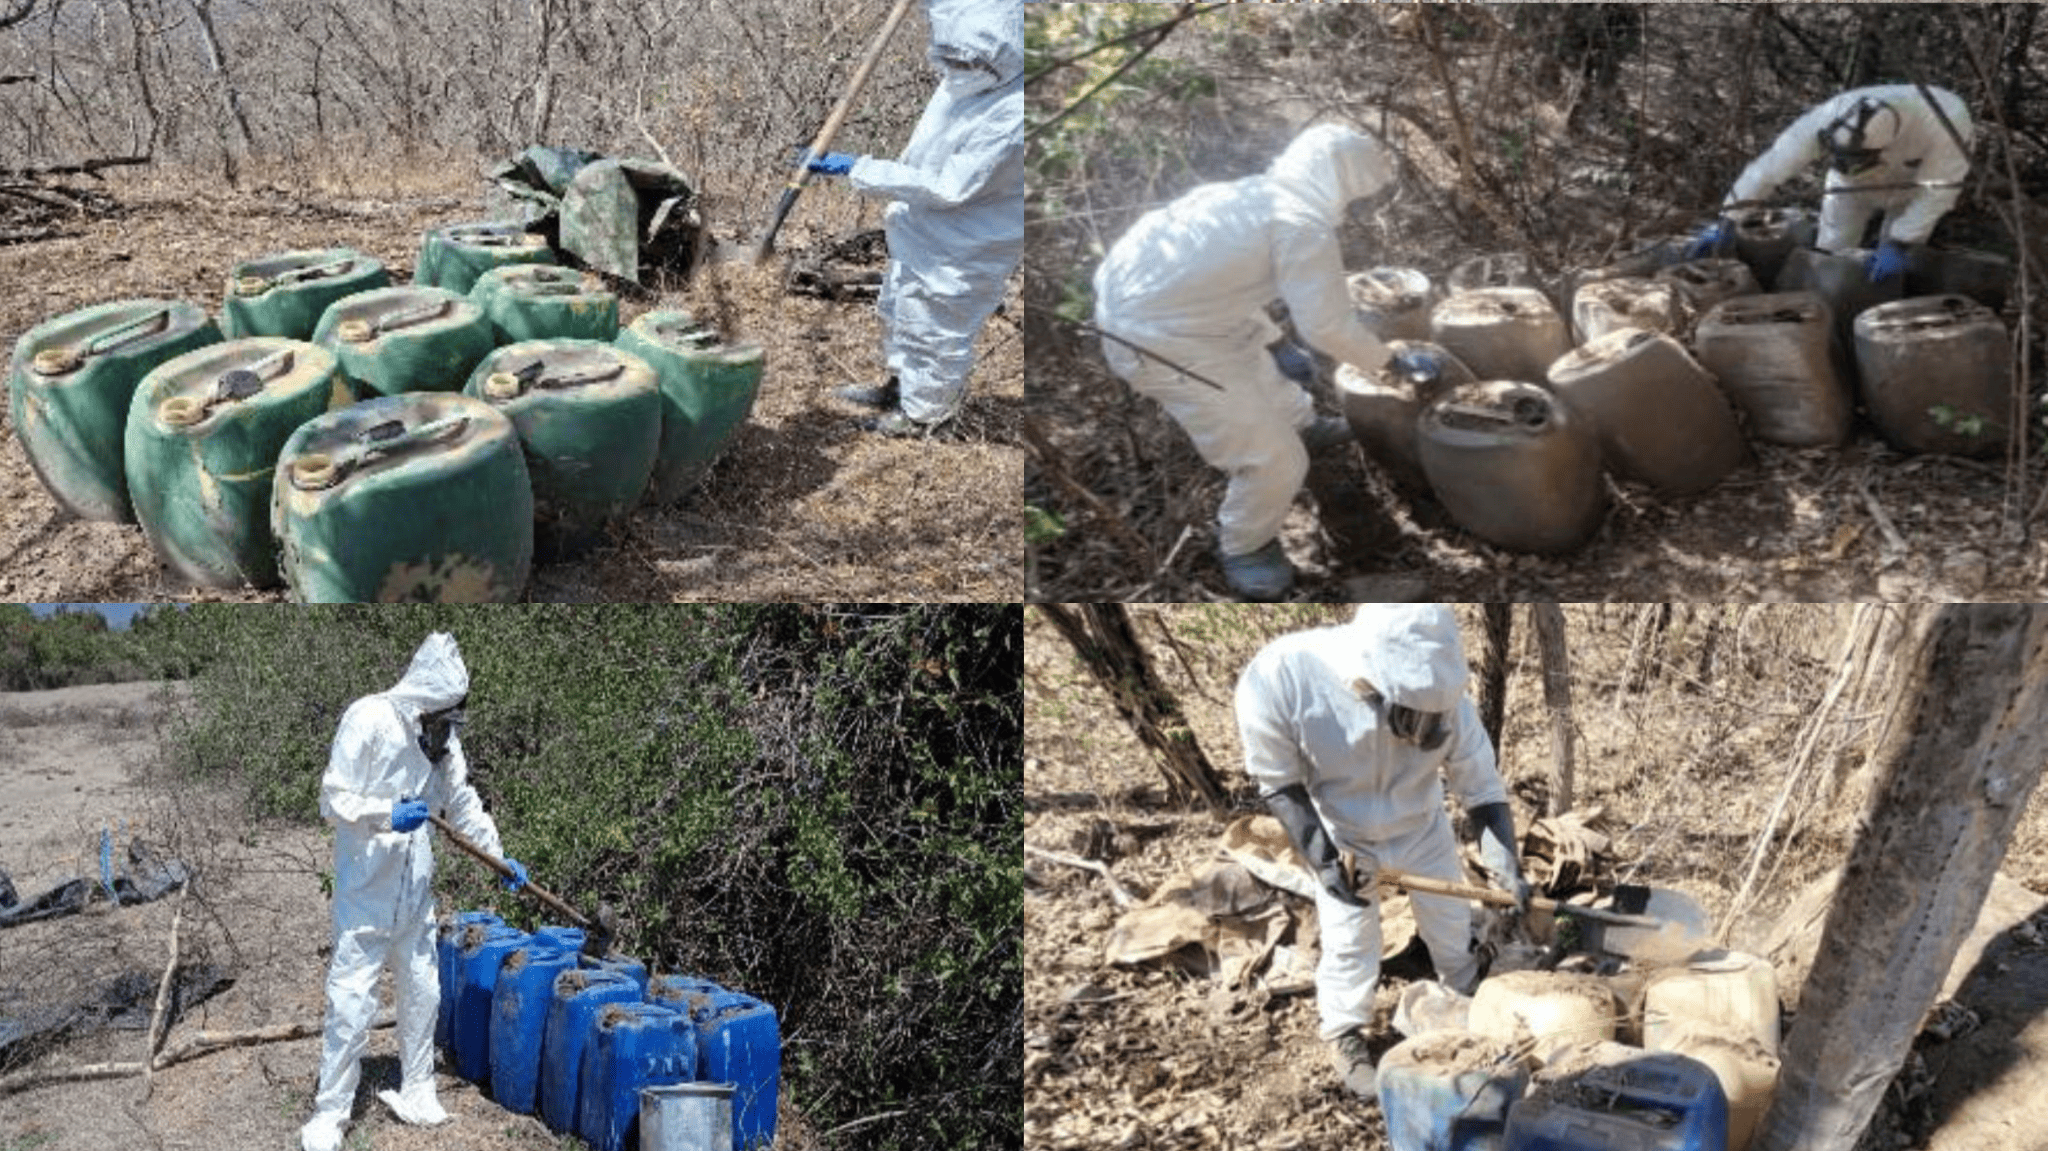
(203, 1043)
(1972, 690)
(91, 168)
(1106, 643)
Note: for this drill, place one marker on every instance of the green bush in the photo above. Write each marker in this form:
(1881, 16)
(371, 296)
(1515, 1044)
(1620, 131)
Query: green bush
(820, 806)
(67, 649)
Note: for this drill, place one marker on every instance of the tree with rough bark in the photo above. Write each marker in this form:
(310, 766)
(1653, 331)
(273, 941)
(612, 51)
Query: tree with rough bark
(1106, 643)
(1955, 772)
(1498, 631)
(1547, 620)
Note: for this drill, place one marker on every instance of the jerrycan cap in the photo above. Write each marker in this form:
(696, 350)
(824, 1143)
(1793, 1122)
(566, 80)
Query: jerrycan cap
(181, 411)
(314, 471)
(355, 331)
(502, 386)
(251, 285)
(57, 361)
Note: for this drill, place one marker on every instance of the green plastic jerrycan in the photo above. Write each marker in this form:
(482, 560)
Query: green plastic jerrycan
(453, 257)
(543, 302)
(419, 498)
(394, 340)
(707, 391)
(285, 294)
(69, 386)
(589, 417)
(203, 436)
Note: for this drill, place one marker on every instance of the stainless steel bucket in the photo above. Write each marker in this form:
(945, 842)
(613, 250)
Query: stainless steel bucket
(686, 1117)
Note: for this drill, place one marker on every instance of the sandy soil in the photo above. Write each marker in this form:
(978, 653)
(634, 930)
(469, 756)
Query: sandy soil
(1685, 754)
(75, 759)
(802, 505)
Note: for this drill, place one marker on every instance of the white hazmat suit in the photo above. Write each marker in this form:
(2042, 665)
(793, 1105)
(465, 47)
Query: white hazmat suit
(1304, 720)
(1918, 153)
(956, 218)
(1191, 281)
(383, 897)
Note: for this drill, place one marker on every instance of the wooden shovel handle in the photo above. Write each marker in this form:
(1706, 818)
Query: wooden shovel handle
(547, 898)
(1498, 898)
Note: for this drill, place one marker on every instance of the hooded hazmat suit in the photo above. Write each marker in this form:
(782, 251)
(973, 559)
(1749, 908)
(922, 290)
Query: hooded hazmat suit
(1921, 154)
(1304, 719)
(956, 218)
(1191, 281)
(383, 897)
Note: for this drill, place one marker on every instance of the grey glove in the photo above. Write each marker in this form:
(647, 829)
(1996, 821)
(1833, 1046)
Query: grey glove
(1496, 826)
(1292, 808)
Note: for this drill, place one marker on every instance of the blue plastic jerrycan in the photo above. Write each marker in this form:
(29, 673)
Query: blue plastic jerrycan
(519, 1016)
(635, 1045)
(1651, 1102)
(686, 995)
(740, 1043)
(476, 977)
(623, 964)
(579, 994)
(447, 947)
(1449, 1091)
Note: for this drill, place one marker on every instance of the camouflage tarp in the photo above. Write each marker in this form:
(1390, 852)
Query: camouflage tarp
(613, 215)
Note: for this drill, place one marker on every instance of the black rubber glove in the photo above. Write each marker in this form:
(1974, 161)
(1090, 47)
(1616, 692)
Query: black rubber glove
(1497, 854)
(1292, 808)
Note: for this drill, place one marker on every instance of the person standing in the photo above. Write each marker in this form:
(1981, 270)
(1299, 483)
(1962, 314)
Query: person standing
(1350, 733)
(955, 220)
(397, 755)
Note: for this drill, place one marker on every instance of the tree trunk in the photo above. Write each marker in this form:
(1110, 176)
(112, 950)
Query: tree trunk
(1493, 669)
(1972, 691)
(217, 60)
(1106, 643)
(1548, 619)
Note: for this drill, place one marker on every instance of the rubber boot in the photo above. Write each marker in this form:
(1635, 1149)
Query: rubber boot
(1326, 432)
(1353, 1062)
(1261, 576)
(881, 397)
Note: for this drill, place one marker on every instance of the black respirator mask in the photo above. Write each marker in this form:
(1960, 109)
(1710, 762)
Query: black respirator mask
(1847, 140)
(1425, 729)
(438, 727)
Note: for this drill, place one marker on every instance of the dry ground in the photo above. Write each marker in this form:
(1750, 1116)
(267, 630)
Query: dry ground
(801, 506)
(74, 760)
(1686, 754)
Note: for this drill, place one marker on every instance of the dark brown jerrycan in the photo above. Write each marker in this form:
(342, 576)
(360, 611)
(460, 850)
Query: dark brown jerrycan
(1501, 333)
(1660, 418)
(1773, 356)
(1765, 236)
(1936, 374)
(1655, 254)
(1632, 302)
(1704, 283)
(1500, 270)
(1843, 281)
(1393, 303)
(1514, 465)
(1382, 408)
(1985, 277)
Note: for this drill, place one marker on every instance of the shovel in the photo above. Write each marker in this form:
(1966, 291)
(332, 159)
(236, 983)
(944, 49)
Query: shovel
(819, 146)
(1686, 925)
(597, 933)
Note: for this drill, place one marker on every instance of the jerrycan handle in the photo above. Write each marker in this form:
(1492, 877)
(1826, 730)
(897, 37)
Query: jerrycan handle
(133, 332)
(316, 271)
(407, 317)
(551, 288)
(577, 379)
(237, 384)
(377, 444)
(692, 334)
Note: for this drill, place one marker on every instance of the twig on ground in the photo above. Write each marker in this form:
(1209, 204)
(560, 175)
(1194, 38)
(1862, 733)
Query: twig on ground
(864, 1122)
(1116, 890)
(204, 1043)
(1049, 461)
(155, 1039)
(1894, 542)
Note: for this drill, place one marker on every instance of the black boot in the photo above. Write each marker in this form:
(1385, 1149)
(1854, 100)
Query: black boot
(881, 397)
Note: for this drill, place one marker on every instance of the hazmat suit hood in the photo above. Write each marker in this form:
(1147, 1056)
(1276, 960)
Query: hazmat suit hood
(986, 36)
(437, 679)
(1412, 654)
(1328, 166)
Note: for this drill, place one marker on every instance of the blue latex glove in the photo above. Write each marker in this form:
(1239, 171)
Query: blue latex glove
(1415, 367)
(1710, 238)
(1295, 362)
(1889, 260)
(408, 814)
(834, 163)
(518, 878)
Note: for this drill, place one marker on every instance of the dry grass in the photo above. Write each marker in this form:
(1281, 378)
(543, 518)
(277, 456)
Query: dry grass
(801, 506)
(1687, 759)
